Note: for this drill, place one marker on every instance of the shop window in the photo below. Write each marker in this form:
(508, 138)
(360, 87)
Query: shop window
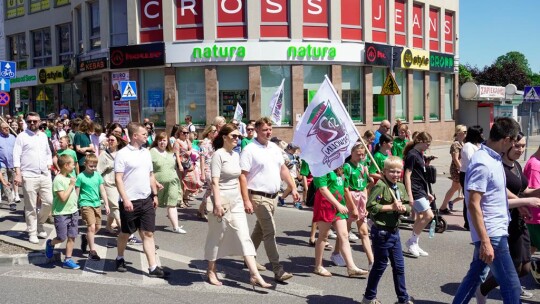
(448, 96)
(434, 96)
(44, 104)
(192, 94)
(400, 100)
(379, 101)
(152, 99)
(271, 77)
(42, 53)
(79, 30)
(17, 50)
(38, 5)
(94, 26)
(118, 21)
(313, 77)
(14, 9)
(418, 95)
(352, 85)
(233, 90)
(65, 53)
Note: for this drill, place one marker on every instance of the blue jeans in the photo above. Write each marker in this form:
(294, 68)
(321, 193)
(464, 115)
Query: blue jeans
(386, 245)
(502, 268)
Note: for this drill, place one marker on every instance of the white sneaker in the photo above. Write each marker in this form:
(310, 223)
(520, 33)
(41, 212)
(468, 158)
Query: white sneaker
(480, 298)
(412, 248)
(33, 239)
(180, 230)
(42, 235)
(352, 237)
(332, 235)
(338, 260)
(421, 251)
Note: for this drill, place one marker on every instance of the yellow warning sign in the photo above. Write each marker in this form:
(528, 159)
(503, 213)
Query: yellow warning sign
(42, 96)
(390, 86)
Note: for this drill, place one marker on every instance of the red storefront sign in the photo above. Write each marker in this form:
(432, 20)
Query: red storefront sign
(151, 21)
(351, 19)
(434, 29)
(274, 19)
(316, 19)
(378, 13)
(418, 26)
(189, 20)
(400, 22)
(231, 17)
(449, 32)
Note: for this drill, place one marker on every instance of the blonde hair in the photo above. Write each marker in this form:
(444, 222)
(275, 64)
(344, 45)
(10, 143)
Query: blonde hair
(91, 158)
(393, 162)
(459, 128)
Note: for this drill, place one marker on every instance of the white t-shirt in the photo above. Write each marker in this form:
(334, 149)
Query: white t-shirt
(136, 164)
(264, 166)
(466, 155)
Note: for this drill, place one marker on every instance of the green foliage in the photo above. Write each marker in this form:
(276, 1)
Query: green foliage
(464, 74)
(517, 58)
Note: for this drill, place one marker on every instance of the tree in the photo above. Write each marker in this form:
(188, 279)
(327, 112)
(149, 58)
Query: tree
(502, 74)
(464, 74)
(517, 58)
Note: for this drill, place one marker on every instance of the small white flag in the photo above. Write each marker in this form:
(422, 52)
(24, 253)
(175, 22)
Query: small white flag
(239, 112)
(326, 133)
(276, 104)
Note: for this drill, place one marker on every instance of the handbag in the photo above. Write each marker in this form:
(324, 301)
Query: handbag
(225, 204)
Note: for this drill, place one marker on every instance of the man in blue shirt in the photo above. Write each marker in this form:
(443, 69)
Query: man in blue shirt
(384, 128)
(7, 141)
(488, 205)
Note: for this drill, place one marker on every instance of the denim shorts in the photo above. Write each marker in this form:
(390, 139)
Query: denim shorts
(66, 226)
(421, 204)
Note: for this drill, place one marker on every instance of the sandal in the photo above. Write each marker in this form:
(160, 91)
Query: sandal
(322, 272)
(328, 247)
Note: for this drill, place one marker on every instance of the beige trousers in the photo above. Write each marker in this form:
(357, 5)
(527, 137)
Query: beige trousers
(32, 187)
(265, 228)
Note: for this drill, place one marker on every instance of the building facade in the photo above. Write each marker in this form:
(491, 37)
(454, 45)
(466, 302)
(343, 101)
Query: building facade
(204, 57)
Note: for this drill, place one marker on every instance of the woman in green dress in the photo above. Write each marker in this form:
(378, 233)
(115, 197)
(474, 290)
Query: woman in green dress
(168, 183)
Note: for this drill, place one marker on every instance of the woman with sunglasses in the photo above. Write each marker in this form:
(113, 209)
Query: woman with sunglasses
(228, 231)
(455, 151)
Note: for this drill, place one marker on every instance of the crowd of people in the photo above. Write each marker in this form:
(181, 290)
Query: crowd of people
(71, 170)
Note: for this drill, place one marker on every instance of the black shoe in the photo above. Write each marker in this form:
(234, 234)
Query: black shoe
(158, 273)
(92, 255)
(445, 211)
(121, 265)
(84, 243)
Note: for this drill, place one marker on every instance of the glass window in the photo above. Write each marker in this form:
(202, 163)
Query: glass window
(448, 96)
(79, 30)
(152, 101)
(64, 43)
(271, 77)
(38, 5)
(418, 95)
(401, 100)
(44, 96)
(17, 51)
(233, 89)
(352, 87)
(434, 96)
(61, 2)
(69, 95)
(14, 9)
(379, 101)
(313, 77)
(94, 29)
(192, 94)
(42, 47)
(118, 15)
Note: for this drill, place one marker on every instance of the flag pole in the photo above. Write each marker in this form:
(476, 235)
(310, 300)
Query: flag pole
(15, 133)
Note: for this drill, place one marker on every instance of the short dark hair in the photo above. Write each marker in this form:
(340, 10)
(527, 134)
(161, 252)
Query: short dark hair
(263, 121)
(474, 134)
(133, 127)
(225, 130)
(504, 127)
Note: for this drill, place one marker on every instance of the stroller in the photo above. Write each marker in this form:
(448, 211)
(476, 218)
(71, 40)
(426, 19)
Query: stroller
(440, 222)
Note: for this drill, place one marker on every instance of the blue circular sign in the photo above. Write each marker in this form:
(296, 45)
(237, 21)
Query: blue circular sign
(4, 98)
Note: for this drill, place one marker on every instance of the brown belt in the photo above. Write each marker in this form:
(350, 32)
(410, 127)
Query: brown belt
(263, 194)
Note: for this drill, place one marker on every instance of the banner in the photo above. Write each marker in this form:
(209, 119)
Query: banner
(239, 112)
(121, 108)
(325, 132)
(276, 104)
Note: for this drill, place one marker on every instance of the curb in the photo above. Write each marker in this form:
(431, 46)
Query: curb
(33, 258)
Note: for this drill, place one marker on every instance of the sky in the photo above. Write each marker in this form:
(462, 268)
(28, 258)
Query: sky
(491, 28)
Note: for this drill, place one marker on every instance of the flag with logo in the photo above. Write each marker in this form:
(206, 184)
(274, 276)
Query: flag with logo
(326, 133)
(238, 112)
(276, 104)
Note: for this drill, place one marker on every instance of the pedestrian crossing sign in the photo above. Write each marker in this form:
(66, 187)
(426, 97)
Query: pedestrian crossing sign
(129, 90)
(531, 94)
(390, 86)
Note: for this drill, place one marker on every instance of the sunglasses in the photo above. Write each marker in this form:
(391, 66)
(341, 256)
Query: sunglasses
(235, 136)
(32, 121)
(250, 129)
(185, 133)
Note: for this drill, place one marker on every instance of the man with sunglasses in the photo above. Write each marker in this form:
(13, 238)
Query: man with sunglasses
(32, 160)
(384, 128)
(250, 130)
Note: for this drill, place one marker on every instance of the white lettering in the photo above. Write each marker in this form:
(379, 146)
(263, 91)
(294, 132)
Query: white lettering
(380, 13)
(190, 7)
(147, 14)
(318, 8)
(416, 21)
(433, 22)
(447, 29)
(399, 16)
(278, 7)
(228, 11)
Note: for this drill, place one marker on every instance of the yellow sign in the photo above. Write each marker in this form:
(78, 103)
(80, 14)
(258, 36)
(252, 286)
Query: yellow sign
(39, 5)
(42, 96)
(390, 86)
(51, 75)
(14, 8)
(415, 59)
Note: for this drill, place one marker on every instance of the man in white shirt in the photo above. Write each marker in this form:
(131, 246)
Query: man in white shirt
(32, 160)
(263, 168)
(189, 123)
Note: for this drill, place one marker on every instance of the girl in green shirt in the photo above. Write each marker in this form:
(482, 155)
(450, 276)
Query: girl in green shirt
(401, 141)
(382, 151)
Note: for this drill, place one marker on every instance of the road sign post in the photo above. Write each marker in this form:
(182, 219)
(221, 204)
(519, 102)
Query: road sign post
(530, 95)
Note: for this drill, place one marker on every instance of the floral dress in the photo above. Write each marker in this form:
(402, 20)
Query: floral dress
(454, 170)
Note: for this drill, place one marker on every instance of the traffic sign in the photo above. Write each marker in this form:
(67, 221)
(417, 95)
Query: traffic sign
(5, 84)
(390, 86)
(8, 69)
(531, 94)
(129, 90)
(4, 98)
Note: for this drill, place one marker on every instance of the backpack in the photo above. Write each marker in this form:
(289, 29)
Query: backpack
(310, 197)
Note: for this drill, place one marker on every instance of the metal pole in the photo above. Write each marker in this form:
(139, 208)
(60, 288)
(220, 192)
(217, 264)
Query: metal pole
(391, 97)
(528, 129)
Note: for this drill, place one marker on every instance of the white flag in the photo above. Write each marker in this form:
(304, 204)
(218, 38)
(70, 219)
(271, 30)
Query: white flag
(326, 133)
(276, 104)
(239, 112)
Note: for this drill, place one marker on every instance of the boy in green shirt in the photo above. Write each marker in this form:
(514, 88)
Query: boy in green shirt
(65, 212)
(64, 149)
(89, 186)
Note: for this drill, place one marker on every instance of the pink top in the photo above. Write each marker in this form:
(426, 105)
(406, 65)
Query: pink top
(532, 172)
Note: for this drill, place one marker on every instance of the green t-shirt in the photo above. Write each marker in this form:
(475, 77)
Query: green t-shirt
(61, 183)
(73, 155)
(379, 159)
(48, 133)
(245, 142)
(88, 185)
(398, 146)
(304, 169)
(336, 185)
(83, 140)
(356, 176)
